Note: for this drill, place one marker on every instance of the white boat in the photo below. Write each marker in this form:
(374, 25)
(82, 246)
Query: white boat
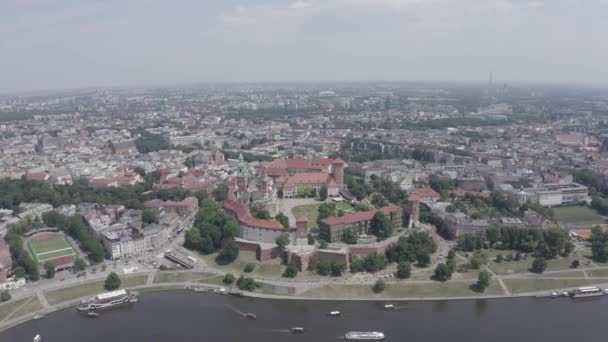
(389, 307)
(108, 300)
(335, 313)
(587, 291)
(37, 338)
(39, 316)
(364, 336)
(297, 330)
(221, 291)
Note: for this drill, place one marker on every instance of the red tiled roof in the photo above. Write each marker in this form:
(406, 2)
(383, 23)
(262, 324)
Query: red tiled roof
(102, 181)
(307, 178)
(165, 186)
(244, 216)
(40, 176)
(302, 219)
(313, 163)
(421, 193)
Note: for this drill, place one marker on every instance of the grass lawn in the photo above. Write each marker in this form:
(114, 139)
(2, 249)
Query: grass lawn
(267, 269)
(311, 212)
(7, 309)
(540, 284)
(578, 215)
(564, 274)
(31, 306)
(598, 273)
(90, 289)
(178, 277)
(523, 265)
(401, 290)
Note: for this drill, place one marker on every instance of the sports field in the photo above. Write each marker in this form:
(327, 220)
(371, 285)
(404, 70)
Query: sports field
(48, 247)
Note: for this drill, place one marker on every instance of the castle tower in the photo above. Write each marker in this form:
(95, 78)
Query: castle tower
(301, 231)
(338, 172)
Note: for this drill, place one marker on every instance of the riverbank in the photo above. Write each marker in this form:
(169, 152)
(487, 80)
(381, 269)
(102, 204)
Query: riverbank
(23, 309)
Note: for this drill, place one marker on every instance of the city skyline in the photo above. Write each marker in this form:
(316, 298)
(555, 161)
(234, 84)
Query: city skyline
(57, 44)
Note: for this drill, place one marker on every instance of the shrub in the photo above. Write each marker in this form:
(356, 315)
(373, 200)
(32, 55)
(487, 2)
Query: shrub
(379, 286)
(228, 279)
(249, 268)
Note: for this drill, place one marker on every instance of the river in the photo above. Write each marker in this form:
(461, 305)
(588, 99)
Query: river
(190, 316)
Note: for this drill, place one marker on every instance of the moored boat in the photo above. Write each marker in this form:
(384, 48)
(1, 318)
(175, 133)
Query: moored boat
(92, 314)
(297, 330)
(587, 291)
(39, 316)
(108, 300)
(364, 336)
(335, 313)
(389, 307)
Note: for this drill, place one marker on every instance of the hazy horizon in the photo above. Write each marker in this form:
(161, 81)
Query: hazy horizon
(65, 44)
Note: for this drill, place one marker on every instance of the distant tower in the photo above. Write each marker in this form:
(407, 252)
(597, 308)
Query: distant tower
(338, 172)
(242, 169)
(302, 231)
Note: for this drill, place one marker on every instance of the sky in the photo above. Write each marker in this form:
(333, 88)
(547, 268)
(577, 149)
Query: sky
(60, 44)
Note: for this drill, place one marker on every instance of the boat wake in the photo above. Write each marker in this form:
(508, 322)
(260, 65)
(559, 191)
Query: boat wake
(237, 311)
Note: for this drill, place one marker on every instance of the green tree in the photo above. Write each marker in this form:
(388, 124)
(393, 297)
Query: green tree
(311, 239)
(539, 265)
(19, 272)
(246, 284)
(112, 282)
(379, 286)
(49, 268)
(475, 262)
(220, 192)
(404, 270)
(228, 279)
(79, 264)
(282, 241)
(423, 260)
(442, 273)
(323, 192)
(291, 271)
(5, 296)
(228, 254)
(575, 263)
(249, 268)
(259, 213)
(140, 170)
(380, 226)
(349, 237)
(149, 216)
(336, 269)
(483, 281)
(323, 244)
(283, 219)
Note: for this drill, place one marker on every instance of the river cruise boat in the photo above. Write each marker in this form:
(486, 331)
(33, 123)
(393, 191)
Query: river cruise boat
(587, 291)
(108, 300)
(364, 336)
(335, 313)
(297, 330)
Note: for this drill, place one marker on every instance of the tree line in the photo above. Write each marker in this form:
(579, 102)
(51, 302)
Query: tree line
(543, 243)
(212, 227)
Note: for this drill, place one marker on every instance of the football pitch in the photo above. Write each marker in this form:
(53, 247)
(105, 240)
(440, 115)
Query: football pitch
(51, 248)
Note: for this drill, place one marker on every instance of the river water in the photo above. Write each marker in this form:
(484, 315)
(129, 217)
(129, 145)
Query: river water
(190, 316)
